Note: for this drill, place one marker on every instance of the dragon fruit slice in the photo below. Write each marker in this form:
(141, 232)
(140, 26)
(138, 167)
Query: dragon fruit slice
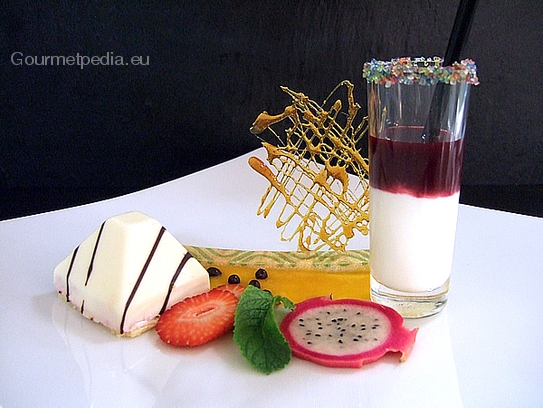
(345, 332)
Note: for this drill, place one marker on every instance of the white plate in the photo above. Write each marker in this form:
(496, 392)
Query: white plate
(51, 356)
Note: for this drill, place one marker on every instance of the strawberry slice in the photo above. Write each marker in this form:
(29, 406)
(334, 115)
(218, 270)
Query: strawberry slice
(198, 319)
(231, 287)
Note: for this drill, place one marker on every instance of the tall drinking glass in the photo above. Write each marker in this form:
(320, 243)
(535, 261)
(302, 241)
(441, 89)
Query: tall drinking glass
(417, 117)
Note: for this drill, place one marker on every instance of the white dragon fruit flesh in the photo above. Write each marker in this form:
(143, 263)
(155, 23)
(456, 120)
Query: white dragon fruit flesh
(345, 332)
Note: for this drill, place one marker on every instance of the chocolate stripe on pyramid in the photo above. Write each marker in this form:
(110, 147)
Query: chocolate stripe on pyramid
(91, 265)
(174, 278)
(140, 277)
(74, 254)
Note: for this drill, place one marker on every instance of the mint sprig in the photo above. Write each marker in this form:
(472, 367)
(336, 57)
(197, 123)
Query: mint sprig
(256, 331)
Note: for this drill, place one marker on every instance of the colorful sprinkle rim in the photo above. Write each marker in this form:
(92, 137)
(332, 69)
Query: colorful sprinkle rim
(424, 71)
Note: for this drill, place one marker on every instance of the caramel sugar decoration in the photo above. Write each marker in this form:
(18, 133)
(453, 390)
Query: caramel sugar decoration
(317, 171)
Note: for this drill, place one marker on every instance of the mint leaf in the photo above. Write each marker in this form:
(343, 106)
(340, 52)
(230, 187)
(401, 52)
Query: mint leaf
(285, 301)
(256, 332)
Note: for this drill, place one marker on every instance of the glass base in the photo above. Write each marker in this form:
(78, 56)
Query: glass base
(410, 305)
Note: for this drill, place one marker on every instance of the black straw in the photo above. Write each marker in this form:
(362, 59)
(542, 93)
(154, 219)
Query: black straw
(457, 39)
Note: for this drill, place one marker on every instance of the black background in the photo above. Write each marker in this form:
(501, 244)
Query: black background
(72, 135)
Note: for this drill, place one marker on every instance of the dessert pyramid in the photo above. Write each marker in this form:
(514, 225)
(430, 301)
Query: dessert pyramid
(127, 273)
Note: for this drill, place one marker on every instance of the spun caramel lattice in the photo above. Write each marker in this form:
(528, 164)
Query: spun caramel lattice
(317, 169)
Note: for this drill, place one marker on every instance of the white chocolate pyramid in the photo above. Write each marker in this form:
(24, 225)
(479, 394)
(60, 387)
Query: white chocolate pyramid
(127, 272)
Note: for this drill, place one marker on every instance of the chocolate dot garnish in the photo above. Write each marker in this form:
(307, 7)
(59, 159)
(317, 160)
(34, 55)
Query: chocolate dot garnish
(261, 274)
(213, 272)
(234, 279)
(255, 283)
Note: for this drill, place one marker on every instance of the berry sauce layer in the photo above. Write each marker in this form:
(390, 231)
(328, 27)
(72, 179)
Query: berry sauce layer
(400, 162)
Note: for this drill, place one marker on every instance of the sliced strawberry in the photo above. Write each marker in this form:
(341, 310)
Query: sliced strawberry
(198, 319)
(234, 288)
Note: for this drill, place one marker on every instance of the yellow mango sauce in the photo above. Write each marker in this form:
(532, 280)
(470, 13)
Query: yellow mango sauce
(296, 275)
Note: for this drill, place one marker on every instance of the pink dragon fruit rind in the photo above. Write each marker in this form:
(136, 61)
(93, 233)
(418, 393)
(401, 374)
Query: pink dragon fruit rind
(397, 338)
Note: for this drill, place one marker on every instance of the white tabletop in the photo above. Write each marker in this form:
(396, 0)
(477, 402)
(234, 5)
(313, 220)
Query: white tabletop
(484, 349)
